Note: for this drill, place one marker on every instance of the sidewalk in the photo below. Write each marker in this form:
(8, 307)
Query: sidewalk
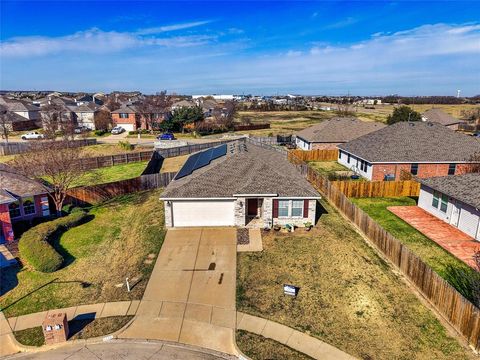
(81, 312)
(292, 338)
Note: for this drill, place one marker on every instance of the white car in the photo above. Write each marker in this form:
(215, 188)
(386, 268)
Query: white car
(33, 135)
(117, 130)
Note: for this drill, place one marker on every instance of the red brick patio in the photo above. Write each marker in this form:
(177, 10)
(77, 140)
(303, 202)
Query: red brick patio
(448, 237)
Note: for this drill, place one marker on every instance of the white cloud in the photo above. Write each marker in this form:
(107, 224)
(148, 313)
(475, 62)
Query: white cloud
(174, 27)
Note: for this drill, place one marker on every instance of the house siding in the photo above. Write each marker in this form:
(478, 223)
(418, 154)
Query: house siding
(300, 222)
(469, 217)
(302, 144)
(133, 119)
(355, 165)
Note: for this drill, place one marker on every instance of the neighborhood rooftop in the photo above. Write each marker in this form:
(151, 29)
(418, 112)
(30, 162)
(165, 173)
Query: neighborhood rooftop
(465, 188)
(413, 142)
(338, 130)
(245, 169)
(440, 117)
(15, 185)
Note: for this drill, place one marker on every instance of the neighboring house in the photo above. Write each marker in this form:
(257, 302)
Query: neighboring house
(21, 199)
(239, 184)
(127, 117)
(330, 133)
(182, 103)
(455, 200)
(84, 115)
(23, 115)
(423, 149)
(440, 117)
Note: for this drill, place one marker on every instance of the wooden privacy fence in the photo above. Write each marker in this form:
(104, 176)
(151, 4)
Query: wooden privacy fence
(188, 149)
(95, 194)
(251, 127)
(112, 160)
(367, 189)
(461, 313)
(13, 148)
(315, 155)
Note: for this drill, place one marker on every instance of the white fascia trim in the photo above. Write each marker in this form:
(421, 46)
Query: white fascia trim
(254, 195)
(405, 162)
(187, 199)
(299, 197)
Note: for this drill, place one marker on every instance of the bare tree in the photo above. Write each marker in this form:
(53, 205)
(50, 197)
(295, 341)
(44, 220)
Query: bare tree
(56, 164)
(474, 163)
(112, 102)
(225, 116)
(5, 122)
(103, 120)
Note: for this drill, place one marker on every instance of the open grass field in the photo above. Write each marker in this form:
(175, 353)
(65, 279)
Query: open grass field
(349, 296)
(435, 256)
(112, 173)
(257, 347)
(121, 240)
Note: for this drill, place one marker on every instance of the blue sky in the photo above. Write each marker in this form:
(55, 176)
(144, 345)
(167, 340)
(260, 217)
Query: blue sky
(265, 47)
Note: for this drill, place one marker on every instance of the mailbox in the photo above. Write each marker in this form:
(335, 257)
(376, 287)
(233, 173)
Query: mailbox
(55, 328)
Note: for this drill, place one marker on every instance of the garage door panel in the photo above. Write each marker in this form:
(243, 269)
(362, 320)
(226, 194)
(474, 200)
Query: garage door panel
(203, 213)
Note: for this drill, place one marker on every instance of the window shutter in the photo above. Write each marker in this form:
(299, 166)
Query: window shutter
(275, 208)
(305, 208)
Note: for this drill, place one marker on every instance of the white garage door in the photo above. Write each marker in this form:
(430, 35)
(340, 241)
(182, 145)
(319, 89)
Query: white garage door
(468, 222)
(127, 127)
(203, 213)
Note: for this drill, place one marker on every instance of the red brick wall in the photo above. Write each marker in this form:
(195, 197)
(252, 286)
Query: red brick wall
(424, 170)
(5, 223)
(132, 119)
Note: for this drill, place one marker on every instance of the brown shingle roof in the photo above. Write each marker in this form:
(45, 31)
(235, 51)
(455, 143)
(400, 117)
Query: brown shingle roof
(465, 188)
(126, 110)
(413, 142)
(17, 185)
(338, 130)
(440, 117)
(253, 170)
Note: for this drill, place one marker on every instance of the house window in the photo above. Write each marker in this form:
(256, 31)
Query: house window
(283, 206)
(348, 158)
(339, 154)
(14, 209)
(444, 203)
(28, 206)
(451, 169)
(297, 208)
(435, 200)
(414, 169)
(123, 116)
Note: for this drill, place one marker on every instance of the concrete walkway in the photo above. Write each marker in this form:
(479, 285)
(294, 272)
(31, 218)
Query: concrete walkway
(255, 242)
(190, 297)
(292, 338)
(447, 236)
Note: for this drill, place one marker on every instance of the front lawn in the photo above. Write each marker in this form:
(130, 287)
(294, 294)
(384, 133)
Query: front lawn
(349, 297)
(435, 256)
(121, 240)
(112, 173)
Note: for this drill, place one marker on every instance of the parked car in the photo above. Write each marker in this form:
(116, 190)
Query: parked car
(32, 135)
(477, 135)
(117, 130)
(81, 129)
(166, 136)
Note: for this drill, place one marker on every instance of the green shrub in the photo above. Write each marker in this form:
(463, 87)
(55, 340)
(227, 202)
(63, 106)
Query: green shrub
(100, 132)
(35, 245)
(125, 145)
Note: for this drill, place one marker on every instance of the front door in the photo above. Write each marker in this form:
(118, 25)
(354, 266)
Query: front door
(252, 207)
(455, 214)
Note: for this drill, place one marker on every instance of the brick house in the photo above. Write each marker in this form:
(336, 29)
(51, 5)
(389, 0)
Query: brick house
(239, 184)
(330, 133)
(422, 149)
(21, 199)
(127, 117)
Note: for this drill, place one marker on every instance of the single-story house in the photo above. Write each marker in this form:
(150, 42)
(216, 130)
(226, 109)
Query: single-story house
(21, 199)
(330, 133)
(440, 117)
(455, 200)
(239, 184)
(423, 149)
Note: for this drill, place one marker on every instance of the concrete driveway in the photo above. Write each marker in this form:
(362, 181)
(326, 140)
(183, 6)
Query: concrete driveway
(190, 297)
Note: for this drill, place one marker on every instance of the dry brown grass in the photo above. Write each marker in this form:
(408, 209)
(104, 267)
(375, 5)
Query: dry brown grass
(173, 164)
(349, 297)
(108, 149)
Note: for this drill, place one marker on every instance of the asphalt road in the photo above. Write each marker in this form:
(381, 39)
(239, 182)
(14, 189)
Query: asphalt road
(124, 350)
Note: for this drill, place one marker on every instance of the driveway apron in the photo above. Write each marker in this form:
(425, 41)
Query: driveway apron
(190, 297)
